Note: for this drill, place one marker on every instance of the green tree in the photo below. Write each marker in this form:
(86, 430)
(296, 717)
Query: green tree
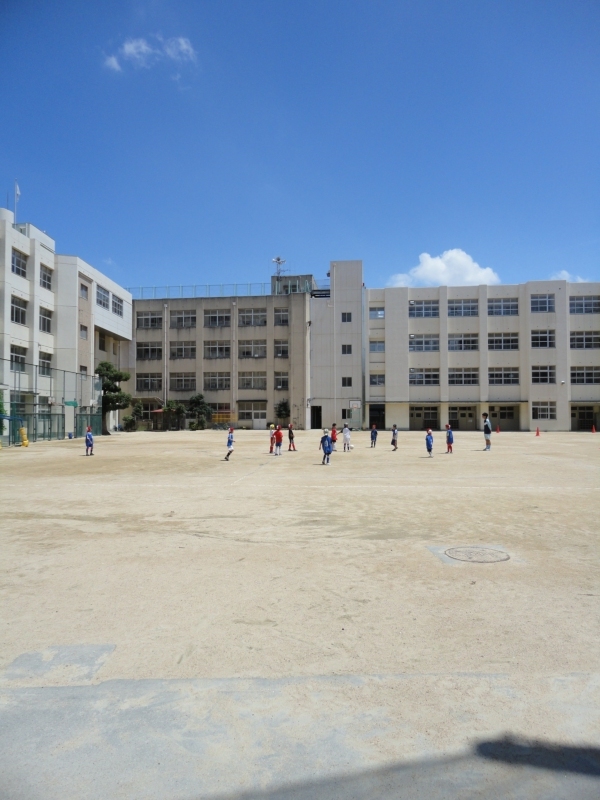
(282, 409)
(137, 412)
(113, 398)
(199, 408)
(2, 411)
(174, 414)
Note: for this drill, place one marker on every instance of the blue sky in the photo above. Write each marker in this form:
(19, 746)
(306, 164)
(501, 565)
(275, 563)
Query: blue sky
(186, 141)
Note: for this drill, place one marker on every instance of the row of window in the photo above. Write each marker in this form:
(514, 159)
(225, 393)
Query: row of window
(250, 348)
(213, 381)
(497, 376)
(497, 307)
(18, 314)
(430, 342)
(213, 318)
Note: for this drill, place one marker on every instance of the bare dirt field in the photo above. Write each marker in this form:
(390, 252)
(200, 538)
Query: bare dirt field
(178, 626)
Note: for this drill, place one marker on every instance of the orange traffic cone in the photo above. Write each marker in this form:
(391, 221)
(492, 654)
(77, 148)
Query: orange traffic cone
(537, 431)
(593, 429)
(497, 428)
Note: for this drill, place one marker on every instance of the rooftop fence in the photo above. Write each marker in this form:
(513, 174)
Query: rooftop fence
(286, 286)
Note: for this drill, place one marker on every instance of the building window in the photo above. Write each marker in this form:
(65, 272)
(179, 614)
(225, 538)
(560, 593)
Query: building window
(17, 358)
(83, 371)
(282, 348)
(282, 381)
(424, 377)
(221, 411)
(183, 319)
(377, 380)
(502, 376)
(45, 320)
(102, 341)
(252, 348)
(376, 312)
(543, 339)
(83, 291)
(102, 297)
(19, 263)
(182, 382)
(463, 308)
(463, 341)
(585, 374)
(543, 374)
(217, 381)
(459, 376)
(18, 310)
(217, 349)
(252, 317)
(117, 306)
(252, 410)
(252, 380)
(503, 307)
(585, 305)
(543, 410)
(183, 349)
(542, 303)
(149, 319)
(423, 308)
(45, 277)
(346, 349)
(148, 382)
(217, 318)
(346, 316)
(377, 346)
(149, 351)
(45, 364)
(347, 382)
(503, 341)
(282, 316)
(83, 332)
(423, 342)
(585, 340)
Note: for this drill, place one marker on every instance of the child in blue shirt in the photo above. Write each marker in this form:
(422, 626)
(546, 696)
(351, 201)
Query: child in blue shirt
(89, 442)
(326, 445)
(230, 441)
(429, 442)
(374, 435)
(449, 438)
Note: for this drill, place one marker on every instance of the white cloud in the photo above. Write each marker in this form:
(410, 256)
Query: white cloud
(452, 268)
(563, 275)
(138, 51)
(112, 62)
(147, 52)
(179, 49)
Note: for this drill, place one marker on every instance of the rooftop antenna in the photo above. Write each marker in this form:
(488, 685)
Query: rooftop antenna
(279, 262)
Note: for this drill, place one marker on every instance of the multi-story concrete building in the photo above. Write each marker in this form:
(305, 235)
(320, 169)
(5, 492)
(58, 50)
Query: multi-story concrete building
(59, 317)
(527, 354)
(245, 354)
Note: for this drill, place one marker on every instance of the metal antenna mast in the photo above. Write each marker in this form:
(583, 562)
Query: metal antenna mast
(279, 262)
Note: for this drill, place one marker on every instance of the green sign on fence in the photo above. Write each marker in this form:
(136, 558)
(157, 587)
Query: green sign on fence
(73, 403)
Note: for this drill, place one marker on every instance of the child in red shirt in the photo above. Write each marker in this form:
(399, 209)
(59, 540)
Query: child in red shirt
(278, 440)
(334, 434)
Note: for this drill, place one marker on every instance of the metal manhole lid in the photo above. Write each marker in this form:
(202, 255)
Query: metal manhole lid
(478, 555)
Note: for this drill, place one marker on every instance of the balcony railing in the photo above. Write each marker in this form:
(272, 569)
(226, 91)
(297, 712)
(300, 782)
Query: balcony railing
(224, 290)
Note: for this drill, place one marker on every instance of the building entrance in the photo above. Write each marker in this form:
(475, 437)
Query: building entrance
(377, 415)
(316, 417)
(507, 417)
(582, 418)
(462, 418)
(423, 417)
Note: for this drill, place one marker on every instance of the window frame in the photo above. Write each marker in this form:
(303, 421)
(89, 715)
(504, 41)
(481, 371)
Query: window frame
(217, 345)
(18, 356)
(463, 339)
(503, 307)
(252, 348)
(423, 309)
(217, 318)
(424, 338)
(151, 317)
(539, 336)
(102, 297)
(117, 305)
(281, 381)
(376, 312)
(539, 371)
(377, 379)
(182, 350)
(545, 303)
(281, 317)
(378, 349)
(180, 319)
(591, 300)
(84, 291)
(347, 382)
(18, 263)
(503, 338)
(45, 320)
(149, 382)
(541, 405)
(252, 318)
(430, 376)
(46, 275)
(182, 381)
(281, 348)
(150, 348)
(18, 309)
(83, 331)
(346, 317)
(465, 307)
(503, 372)
(252, 381)
(469, 376)
(589, 340)
(590, 375)
(346, 349)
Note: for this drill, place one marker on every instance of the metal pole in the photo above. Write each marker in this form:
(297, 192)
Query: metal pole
(165, 355)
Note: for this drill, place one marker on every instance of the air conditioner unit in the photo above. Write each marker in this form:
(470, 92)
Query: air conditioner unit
(51, 401)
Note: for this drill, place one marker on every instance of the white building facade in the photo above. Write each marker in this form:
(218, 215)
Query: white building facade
(59, 317)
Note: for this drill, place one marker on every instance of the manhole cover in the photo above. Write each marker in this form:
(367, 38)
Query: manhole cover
(478, 555)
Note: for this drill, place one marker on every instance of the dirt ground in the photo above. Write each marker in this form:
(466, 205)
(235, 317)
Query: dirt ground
(313, 603)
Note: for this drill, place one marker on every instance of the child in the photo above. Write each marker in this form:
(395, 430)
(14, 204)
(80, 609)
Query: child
(449, 438)
(278, 440)
(346, 436)
(334, 434)
(89, 442)
(326, 445)
(291, 445)
(487, 431)
(429, 442)
(394, 437)
(373, 435)
(272, 438)
(230, 441)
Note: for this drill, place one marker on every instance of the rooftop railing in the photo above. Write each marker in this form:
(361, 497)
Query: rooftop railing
(223, 290)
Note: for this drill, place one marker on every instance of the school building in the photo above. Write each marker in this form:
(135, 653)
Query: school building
(527, 354)
(59, 317)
